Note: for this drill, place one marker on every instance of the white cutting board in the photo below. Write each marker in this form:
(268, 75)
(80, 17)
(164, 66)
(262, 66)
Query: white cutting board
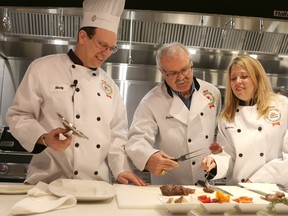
(132, 196)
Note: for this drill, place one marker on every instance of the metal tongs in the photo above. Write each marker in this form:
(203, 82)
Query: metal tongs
(71, 127)
(190, 155)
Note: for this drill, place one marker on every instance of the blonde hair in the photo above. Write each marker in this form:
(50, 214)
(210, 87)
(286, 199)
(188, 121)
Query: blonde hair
(263, 90)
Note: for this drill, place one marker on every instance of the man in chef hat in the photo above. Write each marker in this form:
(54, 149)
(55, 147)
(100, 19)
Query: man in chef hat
(102, 14)
(75, 86)
(105, 16)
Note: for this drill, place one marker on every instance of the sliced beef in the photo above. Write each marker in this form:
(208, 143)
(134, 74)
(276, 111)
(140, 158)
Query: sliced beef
(172, 190)
(215, 148)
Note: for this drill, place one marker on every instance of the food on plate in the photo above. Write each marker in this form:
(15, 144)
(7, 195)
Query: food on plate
(274, 197)
(208, 190)
(215, 148)
(243, 199)
(220, 197)
(172, 189)
(278, 197)
(204, 199)
(181, 199)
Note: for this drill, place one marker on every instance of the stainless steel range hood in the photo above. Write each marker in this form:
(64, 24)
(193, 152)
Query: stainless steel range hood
(214, 39)
(222, 32)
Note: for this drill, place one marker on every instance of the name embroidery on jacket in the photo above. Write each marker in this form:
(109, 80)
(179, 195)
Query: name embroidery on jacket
(274, 116)
(107, 88)
(210, 97)
(169, 117)
(59, 88)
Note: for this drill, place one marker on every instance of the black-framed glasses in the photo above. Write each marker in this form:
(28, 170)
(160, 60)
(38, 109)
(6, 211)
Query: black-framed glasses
(174, 74)
(104, 47)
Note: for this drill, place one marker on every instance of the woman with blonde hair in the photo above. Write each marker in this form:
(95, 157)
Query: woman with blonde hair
(252, 128)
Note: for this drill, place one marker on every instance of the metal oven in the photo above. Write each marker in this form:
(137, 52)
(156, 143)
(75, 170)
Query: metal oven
(14, 159)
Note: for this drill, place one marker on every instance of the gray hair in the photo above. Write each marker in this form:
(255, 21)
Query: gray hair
(171, 49)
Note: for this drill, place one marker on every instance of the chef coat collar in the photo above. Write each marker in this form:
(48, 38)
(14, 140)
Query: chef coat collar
(251, 103)
(77, 60)
(195, 85)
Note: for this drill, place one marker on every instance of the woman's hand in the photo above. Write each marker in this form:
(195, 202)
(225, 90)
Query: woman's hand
(207, 164)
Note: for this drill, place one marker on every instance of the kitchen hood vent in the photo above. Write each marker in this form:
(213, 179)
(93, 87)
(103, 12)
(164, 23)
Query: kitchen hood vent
(43, 24)
(204, 37)
(143, 29)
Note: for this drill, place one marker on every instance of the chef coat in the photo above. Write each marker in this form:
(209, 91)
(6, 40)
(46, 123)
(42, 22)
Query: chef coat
(258, 146)
(98, 111)
(163, 122)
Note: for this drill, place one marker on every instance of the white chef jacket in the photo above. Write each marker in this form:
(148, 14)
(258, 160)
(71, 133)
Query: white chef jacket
(98, 111)
(163, 122)
(258, 146)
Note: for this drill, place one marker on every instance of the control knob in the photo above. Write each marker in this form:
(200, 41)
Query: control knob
(3, 169)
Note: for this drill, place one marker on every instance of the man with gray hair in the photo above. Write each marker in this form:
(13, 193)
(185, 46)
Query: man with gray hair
(176, 117)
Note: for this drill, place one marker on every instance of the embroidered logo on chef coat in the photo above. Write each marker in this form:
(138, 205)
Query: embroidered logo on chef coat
(210, 97)
(59, 87)
(274, 116)
(107, 88)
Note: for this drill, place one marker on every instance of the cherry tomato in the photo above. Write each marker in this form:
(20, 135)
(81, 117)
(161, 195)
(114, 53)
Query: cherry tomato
(204, 199)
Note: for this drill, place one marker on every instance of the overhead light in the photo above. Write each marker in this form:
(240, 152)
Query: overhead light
(192, 51)
(254, 56)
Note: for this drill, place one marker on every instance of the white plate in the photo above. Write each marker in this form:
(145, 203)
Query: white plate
(279, 208)
(257, 205)
(14, 188)
(179, 208)
(201, 212)
(218, 208)
(83, 190)
(266, 188)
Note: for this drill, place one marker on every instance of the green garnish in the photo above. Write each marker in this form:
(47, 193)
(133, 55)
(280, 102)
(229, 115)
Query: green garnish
(272, 205)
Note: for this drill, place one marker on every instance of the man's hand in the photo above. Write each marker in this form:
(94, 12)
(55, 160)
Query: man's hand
(127, 177)
(52, 140)
(160, 163)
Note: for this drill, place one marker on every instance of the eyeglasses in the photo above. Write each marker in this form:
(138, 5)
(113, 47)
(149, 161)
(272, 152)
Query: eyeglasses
(105, 47)
(174, 74)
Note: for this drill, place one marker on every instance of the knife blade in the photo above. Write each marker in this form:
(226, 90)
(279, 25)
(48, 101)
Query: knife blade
(220, 189)
(282, 188)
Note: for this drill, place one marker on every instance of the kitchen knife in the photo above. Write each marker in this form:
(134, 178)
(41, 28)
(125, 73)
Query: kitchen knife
(282, 188)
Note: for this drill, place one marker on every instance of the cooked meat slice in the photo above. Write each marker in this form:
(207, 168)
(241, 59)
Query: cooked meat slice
(215, 148)
(208, 190)
(172, 189)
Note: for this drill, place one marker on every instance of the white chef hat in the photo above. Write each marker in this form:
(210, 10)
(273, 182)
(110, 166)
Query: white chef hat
(102, 13)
